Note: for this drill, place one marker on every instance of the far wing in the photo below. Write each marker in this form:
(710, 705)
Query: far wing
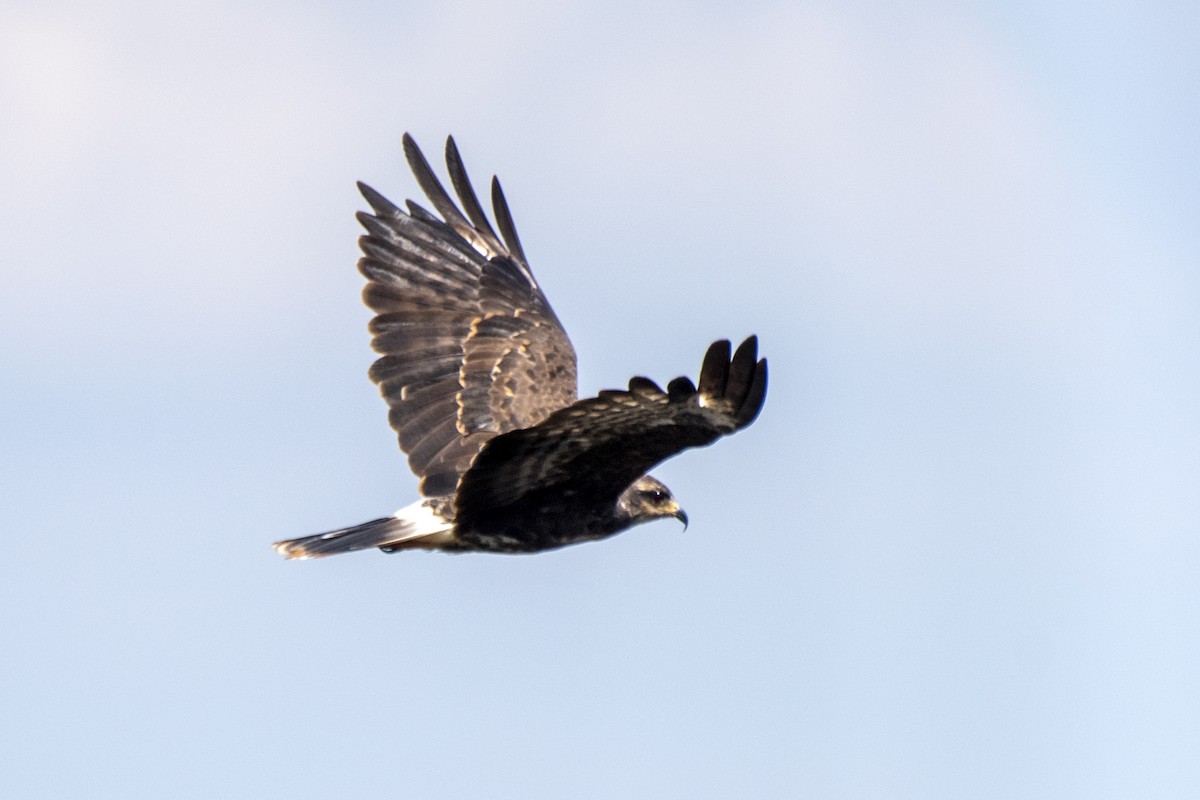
(463, 328)
(597, 447)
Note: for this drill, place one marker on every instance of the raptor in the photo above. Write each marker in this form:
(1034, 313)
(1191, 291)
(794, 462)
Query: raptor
(479, 377)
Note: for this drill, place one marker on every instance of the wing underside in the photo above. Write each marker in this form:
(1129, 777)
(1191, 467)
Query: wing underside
(462, 327)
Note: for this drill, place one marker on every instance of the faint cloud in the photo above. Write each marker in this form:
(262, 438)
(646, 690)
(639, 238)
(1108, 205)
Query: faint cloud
(56, 77)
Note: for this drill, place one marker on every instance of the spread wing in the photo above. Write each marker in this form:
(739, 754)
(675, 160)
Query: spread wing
(594, 449)
(470, 346)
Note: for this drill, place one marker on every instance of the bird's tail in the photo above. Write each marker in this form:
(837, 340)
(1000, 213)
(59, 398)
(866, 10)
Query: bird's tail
(416, 526)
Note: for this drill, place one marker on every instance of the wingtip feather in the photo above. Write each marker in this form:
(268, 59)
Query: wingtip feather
(714, 371)
(467, 197)
(680, 389)
(504, 220)
(741, 368)
(410, 146)
(756, 395)
(379, 204)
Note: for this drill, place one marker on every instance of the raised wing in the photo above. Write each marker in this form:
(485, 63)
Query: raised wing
(594, 449)
(470, 346)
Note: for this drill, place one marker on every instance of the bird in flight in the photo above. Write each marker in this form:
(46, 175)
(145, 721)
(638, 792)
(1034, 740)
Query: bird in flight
(479, 378)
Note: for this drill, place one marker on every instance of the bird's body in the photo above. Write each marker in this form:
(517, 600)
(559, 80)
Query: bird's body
(480, 379)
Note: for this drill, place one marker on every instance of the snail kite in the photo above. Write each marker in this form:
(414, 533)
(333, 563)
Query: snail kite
(479, 377)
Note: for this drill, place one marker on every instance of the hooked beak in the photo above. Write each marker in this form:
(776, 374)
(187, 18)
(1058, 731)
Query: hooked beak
(681, 515)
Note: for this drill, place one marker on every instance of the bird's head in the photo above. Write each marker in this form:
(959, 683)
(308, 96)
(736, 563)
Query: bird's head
(648, 499)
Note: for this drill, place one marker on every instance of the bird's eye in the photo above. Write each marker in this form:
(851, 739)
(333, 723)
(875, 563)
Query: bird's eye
(657, 496)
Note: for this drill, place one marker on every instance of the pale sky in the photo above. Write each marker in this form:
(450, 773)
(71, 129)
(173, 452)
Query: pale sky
(958, 555)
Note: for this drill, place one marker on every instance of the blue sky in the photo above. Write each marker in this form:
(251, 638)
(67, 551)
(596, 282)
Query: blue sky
(955, 557)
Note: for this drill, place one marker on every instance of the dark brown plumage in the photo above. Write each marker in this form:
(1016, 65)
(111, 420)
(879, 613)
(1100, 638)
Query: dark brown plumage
(480, 380)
